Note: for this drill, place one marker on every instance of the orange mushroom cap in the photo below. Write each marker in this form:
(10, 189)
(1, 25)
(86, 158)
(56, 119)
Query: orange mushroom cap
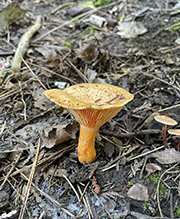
(92, 105)
(165, 120)
(89, 95)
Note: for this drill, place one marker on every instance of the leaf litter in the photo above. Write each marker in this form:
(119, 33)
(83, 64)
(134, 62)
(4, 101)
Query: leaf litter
(144, 61)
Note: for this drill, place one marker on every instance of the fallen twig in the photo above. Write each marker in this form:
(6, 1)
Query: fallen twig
(85, 202)
(52, 72)
(144, 154)
(131, 134)
(34, 75)
(11, 170)
(88, 13)
(79, 72)
(50, 198)
(28, 187)
(62, 6)
(62, 151)
(108, 166)
(24, 43)
(163, 81)
(157, 189)
(102, 204)
(168, 108)
(21, 50)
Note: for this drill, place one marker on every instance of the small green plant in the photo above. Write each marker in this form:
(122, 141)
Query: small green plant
(122, 17)
(129, 45)
(176, 28)
(67, 44)
(142, 38)
(75, 21)
(90, 30)
(145, 205)
(177, 213)
(162, 188)
(117, 217)
(154, 177)
(102, 2)
(87, 4)
(130, 184)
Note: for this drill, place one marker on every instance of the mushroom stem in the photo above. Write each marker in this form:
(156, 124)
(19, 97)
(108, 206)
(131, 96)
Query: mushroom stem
(164, 135)
(86, 149)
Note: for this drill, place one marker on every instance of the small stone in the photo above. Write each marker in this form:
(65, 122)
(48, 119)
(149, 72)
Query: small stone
(138, 192)
(4, 199)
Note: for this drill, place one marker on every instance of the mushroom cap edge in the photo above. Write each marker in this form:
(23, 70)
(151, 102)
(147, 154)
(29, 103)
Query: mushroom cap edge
(165, 120)
(67, 98)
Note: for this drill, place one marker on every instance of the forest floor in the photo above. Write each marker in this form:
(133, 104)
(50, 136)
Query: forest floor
(131, 44)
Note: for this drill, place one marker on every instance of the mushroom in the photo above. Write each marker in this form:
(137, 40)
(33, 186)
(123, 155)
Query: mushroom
(165, 120)
(92, 105)
(175, 132)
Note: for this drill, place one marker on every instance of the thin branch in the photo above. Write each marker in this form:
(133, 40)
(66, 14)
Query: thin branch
(88, 13)
(163, 81)
(157, 189)
(131, 134)
(28, 187)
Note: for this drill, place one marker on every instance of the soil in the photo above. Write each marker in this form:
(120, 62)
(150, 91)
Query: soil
(146, 65)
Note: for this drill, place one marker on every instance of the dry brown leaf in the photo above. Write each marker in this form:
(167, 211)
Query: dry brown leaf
(10, 14)
(60, 173)
(58, 134)
(89, 53)
(152, 167)
(41, 101)
(49, 54)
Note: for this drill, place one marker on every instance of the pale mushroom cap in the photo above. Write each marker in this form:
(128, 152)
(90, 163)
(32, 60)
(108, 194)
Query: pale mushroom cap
(97, 96)
(165, 120)
(174, 132)
(91, 104)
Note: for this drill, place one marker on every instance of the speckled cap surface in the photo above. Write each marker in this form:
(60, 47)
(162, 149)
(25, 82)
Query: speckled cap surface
(88, 95)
